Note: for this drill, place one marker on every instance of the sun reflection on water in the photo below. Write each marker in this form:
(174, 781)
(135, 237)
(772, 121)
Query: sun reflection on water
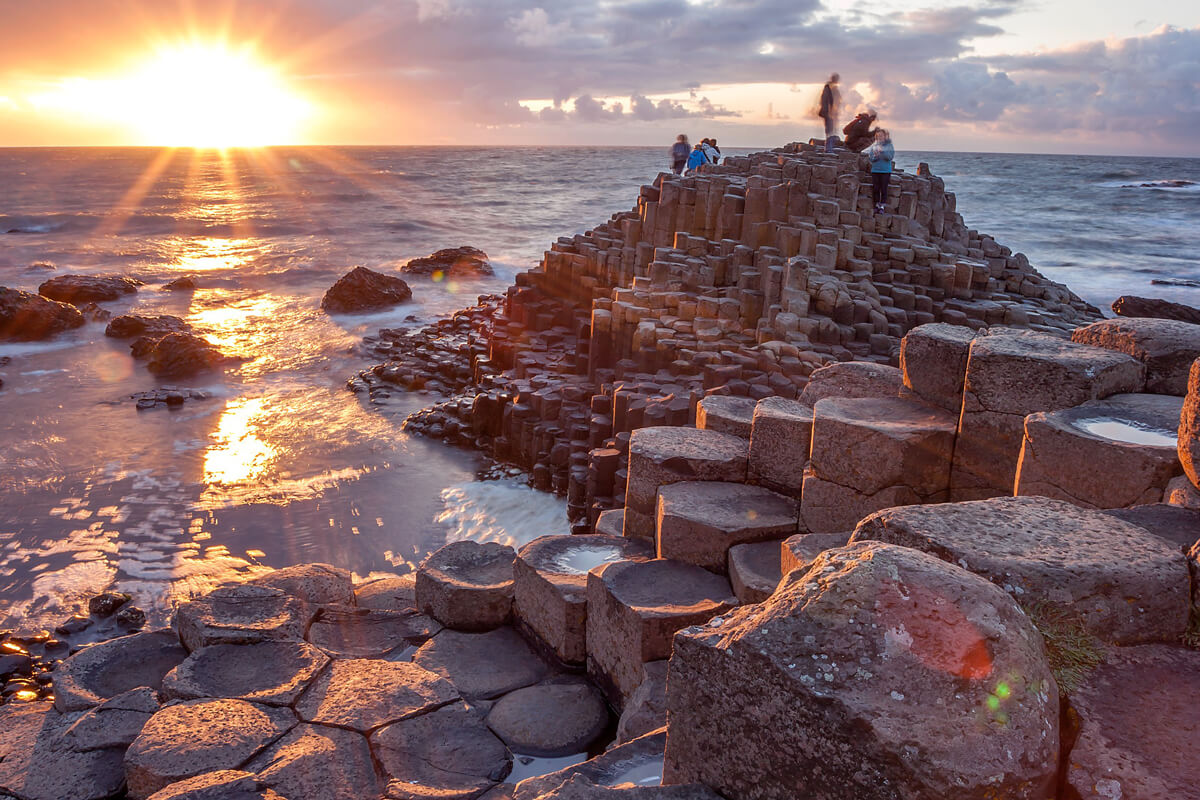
(238, 455)
(206, 254)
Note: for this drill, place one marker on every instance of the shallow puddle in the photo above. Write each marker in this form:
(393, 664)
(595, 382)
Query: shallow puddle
(1127, 430)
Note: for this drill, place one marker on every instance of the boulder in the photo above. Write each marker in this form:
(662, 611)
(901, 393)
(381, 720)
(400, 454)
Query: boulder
(397, 593)
(181, 355)
(1136, 716)
(662, 455)
(127, 326)
(106, 604)
(726, 414)
(448, 753)
(26, 317)
(754, 570)
(1167, 347)
(112, 668)
(38, 763)
(800, 551)
(780, 438)
(198, 736)
(184, 284)
(241, 615)
(552, 719)
(611, 522)
(1011, 375)
(1189, 427)
(314, 762)
(1109, 453)
(349, 632)
(634, 609)
(850, 380)
(364, 694)
(78, 289)
(1133, 306)
(467, 585)
(937, 686)
(113, 723)
(646, 709)
(550, 589)
(698, 521)
(933, 358)
(455, 262)
(1125, 585)
(318, 584)
(225, 784)
(271, 673)
(483, 665)
(638, 761)
(1177, 526)
(362, 289)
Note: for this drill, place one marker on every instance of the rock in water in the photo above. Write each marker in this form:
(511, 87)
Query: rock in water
(184, 284)
(127, 326)
(179, 355)
(1132, 306)
(76, 289)
(26, 317)
(362, 289)
(455, 262)
(882, 672)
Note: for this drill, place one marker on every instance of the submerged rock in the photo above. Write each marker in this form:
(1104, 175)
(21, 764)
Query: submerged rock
(456, 262)
(362, 289)
(128, 326)
(26, 317)
(184, 284)
(77, 289)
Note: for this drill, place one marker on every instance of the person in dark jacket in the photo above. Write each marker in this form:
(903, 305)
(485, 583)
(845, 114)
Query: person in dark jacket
(830, 100)
(858, 132)
(679, 153)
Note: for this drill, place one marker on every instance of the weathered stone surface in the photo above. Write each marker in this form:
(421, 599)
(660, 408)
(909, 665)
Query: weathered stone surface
(113, 723)
(936, 686)
(555, 718)
(646, 709)
(933, 359)
(636, 761)
(1011, 375)
(611, 522)
(226, 784)
(1180, 492)
(449, 753)
(779, 444)
(241, 615)
(455, 262)
(1109, 453)
(754, 570)
(800, 551)
(1137, 722)
(1167, 347)
(364, 694)
(698, 521)
(467, 585)
(550, 590)
(349, 632)
(829, 507)
(579, 787)
(663, 455)
(1133, 306)
(482, 665)
(1125, 585)
(1189, 427)
(198, 736)
(181, 355)
(362, 289)
(105, 670)
(272, 673)
(1177, 526)
(36, 763)
(726, 414)
(852, 379)
(78, 289)
(26, 317)
(318, 584)
(318, 763)
(391, 594)
(128, 326)
(634, 609)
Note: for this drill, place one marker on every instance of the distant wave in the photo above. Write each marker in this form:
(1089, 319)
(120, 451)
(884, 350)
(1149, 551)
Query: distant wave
(1175, 282)
(1170, 183)
(1120, 173)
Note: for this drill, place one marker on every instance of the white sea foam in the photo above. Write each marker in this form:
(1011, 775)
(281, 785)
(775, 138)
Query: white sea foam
(508, 512)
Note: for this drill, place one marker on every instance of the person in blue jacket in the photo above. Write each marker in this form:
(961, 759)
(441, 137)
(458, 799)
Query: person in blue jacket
(881, 152)
(697, 159)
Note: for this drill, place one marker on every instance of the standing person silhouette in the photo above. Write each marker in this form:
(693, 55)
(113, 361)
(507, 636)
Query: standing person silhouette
(679, 153)
(881, 153)
(830, 100)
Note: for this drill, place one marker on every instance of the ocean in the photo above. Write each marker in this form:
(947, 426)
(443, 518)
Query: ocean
(283, 465)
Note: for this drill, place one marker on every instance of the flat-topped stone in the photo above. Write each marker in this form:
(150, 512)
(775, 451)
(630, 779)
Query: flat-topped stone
(754, 570)
(38, 763)
(467, 585)
(317, 584)
(638, 762)
(937, 661)
(779, 443)
(698, 521)
(482, 665)
(1175, 525)
(364, 694)
(114, 723)
(634, 609)
(1137, 719)
(1120, 451)
(271, 673)
(391, 594)
(611, 522)
(226, 784)
(111, 668)
(852, 379)
(555, 718)
(242, 615)
(198, 736)
(726, 414)
(933, 358)
(550, 592)
(448, 753)
(663, 455)
(1125, 585)
(1167, 347)
(800, 551)
(315, 762)
(350, 632)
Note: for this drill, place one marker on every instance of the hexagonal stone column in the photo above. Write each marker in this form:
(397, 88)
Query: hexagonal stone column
(1109, 453)
(242, 615)
(852, 379)
(1011, 375)
(1167, 347)
(726, 414)
(555, 718)
(364, 694)
(319, 584)
(698, 521)
(1124, 584)
(111, 668)
(467, 585)
(550, 587)
(634, 609)
(873, 453)
(754, 570)
(272, 673)
(934, 361)
(318, 763)
(800, 551)
(779, 443)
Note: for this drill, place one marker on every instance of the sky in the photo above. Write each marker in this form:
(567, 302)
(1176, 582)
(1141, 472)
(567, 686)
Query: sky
(1045, 76)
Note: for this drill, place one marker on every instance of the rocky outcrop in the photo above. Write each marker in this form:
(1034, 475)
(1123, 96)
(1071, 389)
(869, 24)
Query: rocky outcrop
(365, 694)
(38, 763)
(1133, 306)
(79, 289)
(362, 289)
(26, 317)
(184, 284)
(1167, 348)
(127, 326)
(1189, 427)
(181, 355)
(456, 263)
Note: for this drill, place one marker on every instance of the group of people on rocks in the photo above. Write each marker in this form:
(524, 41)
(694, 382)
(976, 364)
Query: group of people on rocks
(860, 137)
(686, 159)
